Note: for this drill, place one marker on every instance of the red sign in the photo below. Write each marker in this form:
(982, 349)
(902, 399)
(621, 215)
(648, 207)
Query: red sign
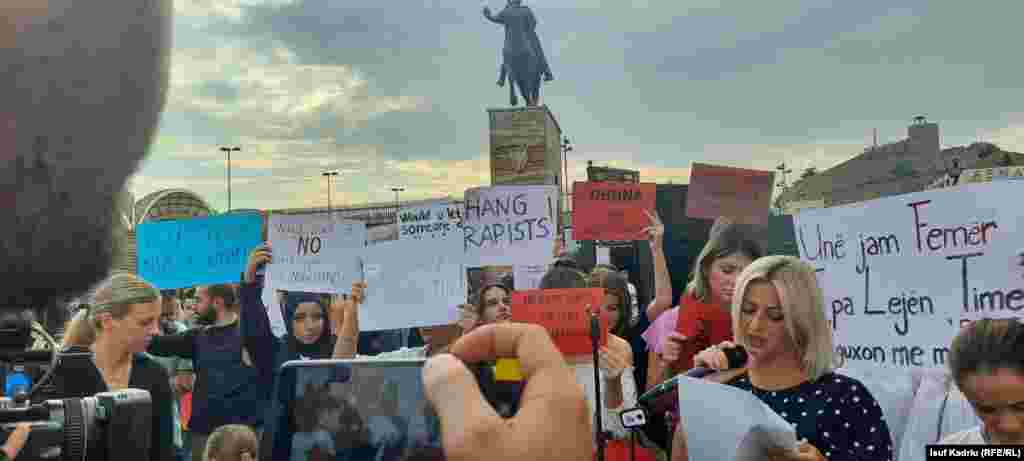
(611, 210)
(564, 313)
(721, 191)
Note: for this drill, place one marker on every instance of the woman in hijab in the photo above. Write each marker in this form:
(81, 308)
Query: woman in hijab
(309, 333)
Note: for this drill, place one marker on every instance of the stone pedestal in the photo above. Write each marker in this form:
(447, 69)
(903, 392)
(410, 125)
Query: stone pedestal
(526, 148)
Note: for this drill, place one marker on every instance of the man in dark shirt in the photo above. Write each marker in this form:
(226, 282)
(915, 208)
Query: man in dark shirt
(233, 363)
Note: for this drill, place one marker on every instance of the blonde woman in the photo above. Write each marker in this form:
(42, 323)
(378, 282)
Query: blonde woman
(233, 442)
(116, 328)
(778, 316)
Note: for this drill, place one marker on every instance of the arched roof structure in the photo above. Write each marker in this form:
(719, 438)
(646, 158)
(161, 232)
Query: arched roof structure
(171, 204)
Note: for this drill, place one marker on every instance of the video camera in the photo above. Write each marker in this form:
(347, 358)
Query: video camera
(67, 429)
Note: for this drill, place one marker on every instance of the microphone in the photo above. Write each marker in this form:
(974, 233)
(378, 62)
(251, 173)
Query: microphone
(736, 357)
(595, 340)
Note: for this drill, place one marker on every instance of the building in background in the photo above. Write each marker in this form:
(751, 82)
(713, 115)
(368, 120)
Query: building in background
(909, 165)
(161, 205)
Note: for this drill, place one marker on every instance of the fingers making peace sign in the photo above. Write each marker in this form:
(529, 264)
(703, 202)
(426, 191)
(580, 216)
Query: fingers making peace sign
(656, 231)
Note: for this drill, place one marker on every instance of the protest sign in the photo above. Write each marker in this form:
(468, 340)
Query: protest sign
(564, 314)
(901, 273)
(275, 311)
(198, 251)
(424, 221)
(510, 225)
(611, 210)
(723, 422)
(742, 194)
(315, 253)
(413, 283)
(528, 277)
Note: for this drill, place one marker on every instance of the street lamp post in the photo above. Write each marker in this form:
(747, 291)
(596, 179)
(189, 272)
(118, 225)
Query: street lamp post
(396, 190)
(566, 148)
(229, 150)
(328, 175)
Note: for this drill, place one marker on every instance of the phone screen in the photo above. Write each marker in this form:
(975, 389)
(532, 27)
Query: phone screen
(355, 410)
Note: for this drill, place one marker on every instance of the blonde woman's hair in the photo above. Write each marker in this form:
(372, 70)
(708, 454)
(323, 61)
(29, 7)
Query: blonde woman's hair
(726, 238)
(803, 306)
(79, 331)
(118, 293)
(232, 442)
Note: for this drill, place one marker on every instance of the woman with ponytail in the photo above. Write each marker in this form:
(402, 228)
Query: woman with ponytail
(116, 328)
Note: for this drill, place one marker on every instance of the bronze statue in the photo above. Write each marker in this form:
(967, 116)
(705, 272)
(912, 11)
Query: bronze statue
(523, 58)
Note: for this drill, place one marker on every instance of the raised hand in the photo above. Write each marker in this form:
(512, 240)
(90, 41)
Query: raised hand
(613, 362)
(259, 256)
(656, 231)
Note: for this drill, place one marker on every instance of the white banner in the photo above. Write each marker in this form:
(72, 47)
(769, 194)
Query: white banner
(510, 225)
(901, 273)
(315, 253)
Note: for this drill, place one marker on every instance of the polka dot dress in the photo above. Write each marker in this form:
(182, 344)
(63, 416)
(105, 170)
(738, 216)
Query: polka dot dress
(836, 414)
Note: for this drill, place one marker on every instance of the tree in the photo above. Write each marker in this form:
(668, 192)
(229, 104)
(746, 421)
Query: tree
(808, 172)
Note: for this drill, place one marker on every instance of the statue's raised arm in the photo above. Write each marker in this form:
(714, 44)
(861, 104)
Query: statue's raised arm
(523, 57)
(491, 17)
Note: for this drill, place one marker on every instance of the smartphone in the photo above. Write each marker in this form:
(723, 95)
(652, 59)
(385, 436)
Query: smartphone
(361, 409)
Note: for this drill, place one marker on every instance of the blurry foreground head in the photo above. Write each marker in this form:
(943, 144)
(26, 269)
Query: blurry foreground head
(82, 85)
(233, 442)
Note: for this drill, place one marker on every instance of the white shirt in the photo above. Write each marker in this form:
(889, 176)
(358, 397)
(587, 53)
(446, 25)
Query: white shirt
(610, 420)
(969, 437)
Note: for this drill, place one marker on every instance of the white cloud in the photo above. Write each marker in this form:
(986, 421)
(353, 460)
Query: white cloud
(227, 9)
(269, 93)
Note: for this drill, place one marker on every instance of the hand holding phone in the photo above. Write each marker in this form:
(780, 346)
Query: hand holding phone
(554, 417)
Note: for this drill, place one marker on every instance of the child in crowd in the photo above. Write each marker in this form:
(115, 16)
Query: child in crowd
(233, 442)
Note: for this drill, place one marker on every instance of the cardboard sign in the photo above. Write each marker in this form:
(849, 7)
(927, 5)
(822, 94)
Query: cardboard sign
(316, 253)
(564, 314)
(901, 274)
(611, 210)
(514, 225)
(716, 191)
(198, 251)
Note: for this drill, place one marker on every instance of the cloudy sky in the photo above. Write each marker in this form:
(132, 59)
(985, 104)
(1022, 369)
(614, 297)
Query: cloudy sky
(395, 92)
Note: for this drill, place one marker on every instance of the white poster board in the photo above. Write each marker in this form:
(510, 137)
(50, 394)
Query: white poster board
(901, 273)
(528, 277)
(510, 225)
(315, 253)
(413, 283)
(426, 221)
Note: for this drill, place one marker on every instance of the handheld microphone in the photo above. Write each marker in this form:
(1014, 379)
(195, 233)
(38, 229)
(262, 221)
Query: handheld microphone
(736, 357)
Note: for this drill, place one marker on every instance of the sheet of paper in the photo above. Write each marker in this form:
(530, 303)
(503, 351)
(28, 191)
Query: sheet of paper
(274, 309)
(725, 423)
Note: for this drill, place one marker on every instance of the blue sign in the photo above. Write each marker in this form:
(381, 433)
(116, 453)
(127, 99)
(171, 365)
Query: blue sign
(198, 251)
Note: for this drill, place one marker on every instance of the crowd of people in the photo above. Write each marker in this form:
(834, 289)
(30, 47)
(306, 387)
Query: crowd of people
(208, 356)
(215, 355)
